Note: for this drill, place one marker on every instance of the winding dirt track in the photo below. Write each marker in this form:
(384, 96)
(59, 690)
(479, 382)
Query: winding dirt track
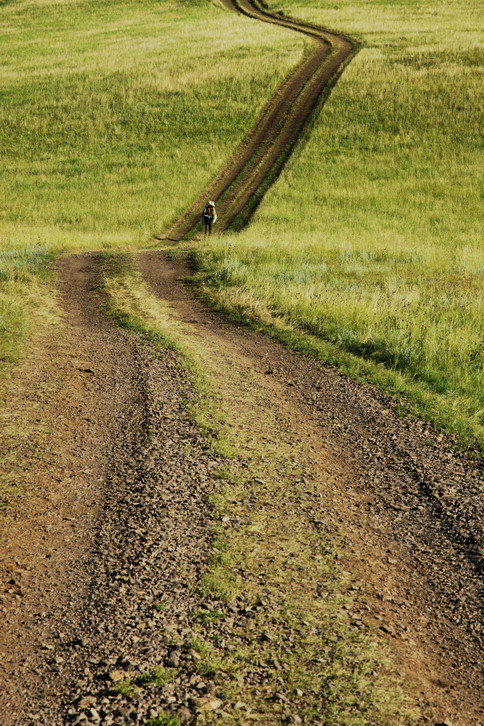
(102, 561)
(241, 184)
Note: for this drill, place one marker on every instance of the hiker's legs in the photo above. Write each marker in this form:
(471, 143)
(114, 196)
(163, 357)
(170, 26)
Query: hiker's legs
(208, 221)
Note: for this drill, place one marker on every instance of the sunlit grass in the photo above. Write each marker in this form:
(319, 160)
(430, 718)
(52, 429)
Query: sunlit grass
(371, 239)
(113, 116)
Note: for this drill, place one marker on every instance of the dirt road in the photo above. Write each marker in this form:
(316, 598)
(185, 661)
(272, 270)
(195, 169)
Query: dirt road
(103, 562)
(411, 509)
(261, 156)
(104, 554)
(118, 511)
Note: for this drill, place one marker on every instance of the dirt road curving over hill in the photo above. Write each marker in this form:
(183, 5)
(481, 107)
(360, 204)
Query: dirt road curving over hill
(257, 162)
(342, 508)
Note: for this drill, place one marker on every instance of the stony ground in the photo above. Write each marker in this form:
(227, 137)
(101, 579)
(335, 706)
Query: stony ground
(150, 552)
(104, 615)
(114, 596)
(408, 502)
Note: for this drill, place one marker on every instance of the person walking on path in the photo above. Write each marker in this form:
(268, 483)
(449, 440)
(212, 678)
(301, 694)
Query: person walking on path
(209, 217)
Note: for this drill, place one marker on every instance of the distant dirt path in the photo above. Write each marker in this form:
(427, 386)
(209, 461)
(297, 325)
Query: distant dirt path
(410, 509)
(257, 162)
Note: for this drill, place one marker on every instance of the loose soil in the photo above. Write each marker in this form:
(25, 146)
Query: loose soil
(409, 505)
(116, 520)
(103, 561)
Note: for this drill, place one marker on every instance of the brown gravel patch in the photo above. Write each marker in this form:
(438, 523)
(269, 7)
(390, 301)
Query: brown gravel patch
(101, 562)
(113, 520)
(67, 402)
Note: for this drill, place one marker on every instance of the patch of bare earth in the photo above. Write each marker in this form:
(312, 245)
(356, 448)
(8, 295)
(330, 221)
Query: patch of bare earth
(100, 558)
(65, 405)
(408, 504)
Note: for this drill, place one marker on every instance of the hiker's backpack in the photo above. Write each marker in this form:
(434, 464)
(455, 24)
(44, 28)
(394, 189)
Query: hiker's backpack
(210, 210)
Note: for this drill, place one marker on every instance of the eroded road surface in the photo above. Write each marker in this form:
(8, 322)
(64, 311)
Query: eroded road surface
(116, 521)
(102, 562)
(409, 506)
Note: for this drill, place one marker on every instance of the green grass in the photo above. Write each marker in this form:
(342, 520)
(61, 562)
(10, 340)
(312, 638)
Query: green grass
(206, 617)
(370, 240)
(158, 676)
(107, 128)
(115, 114)
(26, 298)
(163, 719)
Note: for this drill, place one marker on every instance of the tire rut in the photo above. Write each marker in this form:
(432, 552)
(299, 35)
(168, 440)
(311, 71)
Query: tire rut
(79, 386)
(257, 162)
(104, 558)
(408, 504)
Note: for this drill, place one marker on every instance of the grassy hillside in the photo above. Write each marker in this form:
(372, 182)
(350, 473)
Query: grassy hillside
(113, 115)
(370, 241)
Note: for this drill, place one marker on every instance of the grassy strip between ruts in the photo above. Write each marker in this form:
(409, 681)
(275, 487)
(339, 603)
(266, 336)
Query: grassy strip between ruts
(279, 632)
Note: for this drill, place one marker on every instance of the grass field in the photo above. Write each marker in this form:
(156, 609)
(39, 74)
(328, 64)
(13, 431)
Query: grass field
(113, 115)
(371, 239)
(367, 245)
